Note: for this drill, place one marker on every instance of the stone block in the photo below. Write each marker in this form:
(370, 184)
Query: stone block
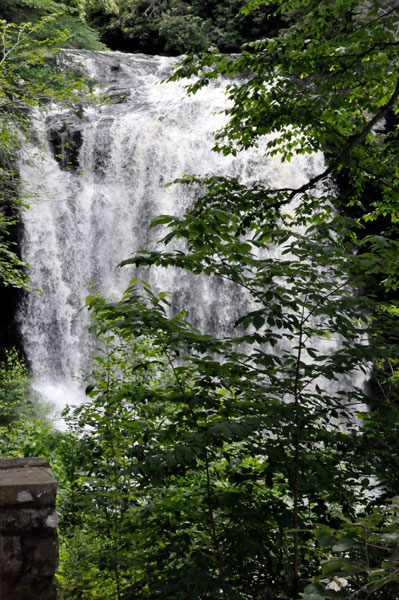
(26, 483)
(28, 530)
(12, 557)
(20, 520)
(42, 553)
(40, 589)
(18, 463)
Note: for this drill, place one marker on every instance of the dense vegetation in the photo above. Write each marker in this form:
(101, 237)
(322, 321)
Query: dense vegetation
(152, 26)
(67, 19)
(30, 75)
(245, 467)
(177, 27)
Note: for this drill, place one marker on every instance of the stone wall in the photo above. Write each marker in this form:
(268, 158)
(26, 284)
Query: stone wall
(28, 530)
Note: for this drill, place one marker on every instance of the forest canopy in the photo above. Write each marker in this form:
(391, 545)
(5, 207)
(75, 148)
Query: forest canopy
(177, 27)
(152, 26)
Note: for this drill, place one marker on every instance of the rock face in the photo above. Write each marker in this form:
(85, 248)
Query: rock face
(28, 530)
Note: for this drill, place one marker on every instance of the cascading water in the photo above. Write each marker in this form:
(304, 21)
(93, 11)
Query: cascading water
(96, 183)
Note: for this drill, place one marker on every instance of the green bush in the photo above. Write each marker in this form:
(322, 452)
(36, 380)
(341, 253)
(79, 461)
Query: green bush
(69, 18)
(17, 400)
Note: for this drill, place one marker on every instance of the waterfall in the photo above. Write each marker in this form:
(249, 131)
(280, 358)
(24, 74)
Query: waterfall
(94, 184)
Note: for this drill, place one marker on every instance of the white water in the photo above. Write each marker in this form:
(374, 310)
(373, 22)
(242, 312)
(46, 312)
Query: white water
(82, 223)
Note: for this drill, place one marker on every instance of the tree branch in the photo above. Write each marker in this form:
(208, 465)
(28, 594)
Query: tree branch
(353, 142)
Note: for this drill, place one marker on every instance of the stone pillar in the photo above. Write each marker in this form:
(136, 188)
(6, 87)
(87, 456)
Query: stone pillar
(28, 530)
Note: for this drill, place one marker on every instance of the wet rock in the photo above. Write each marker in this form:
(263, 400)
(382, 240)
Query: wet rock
(66, 143)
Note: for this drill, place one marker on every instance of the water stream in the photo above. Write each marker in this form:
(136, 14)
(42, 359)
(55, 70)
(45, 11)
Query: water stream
(96, 182)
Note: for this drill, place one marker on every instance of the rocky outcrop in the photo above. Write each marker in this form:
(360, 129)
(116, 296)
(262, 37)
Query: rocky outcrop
(28, 530)
(66, 142)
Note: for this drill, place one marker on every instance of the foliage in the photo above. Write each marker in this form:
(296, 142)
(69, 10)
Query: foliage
(98, 485)
(29, 76)
(176, 27)
(24, 426)
(234, 461)
(325, 83)
(364, 557)
(251, 443)
(69, 20)
(80, 574)
(334, 67)
(16, 397)
(31, 433)
(381, 422)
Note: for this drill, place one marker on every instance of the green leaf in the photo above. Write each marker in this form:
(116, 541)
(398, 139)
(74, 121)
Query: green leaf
(347, 542)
